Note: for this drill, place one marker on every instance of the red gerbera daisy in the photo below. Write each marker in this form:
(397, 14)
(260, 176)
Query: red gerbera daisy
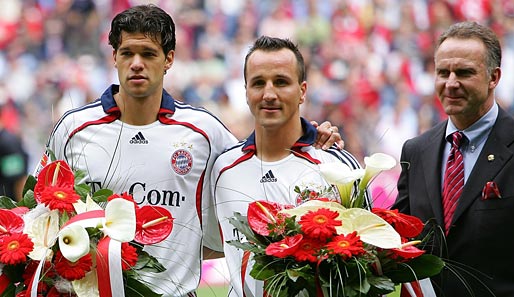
(346, 245)
(128, 256)
(60, 198)
(320, 224)
(308, 250)
(285, 247)
(72, 270)
(406, 225)
(14, 248)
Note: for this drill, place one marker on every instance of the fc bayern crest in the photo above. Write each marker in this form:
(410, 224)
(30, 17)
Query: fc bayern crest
(181, 162)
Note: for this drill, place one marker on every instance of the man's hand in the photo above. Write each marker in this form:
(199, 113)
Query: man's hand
(327, 136)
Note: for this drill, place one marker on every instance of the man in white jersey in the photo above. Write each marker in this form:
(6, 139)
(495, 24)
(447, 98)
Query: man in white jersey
(278, 156)
(136, 138)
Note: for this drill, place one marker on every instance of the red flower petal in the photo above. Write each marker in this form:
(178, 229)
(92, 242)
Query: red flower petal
(14, 248)
(59, 170)
(73, 270)
(153, 224)
(406, 225)
(408, 252)
(125, 196)
(285, 247)
(128, 256)
(261, 214)
(10, 222)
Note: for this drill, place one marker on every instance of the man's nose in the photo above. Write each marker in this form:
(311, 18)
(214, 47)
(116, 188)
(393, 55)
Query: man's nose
(452, 81)
(269, 92)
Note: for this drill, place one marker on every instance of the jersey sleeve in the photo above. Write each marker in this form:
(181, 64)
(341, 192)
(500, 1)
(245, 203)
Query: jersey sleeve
(211, 231)
(54, 148)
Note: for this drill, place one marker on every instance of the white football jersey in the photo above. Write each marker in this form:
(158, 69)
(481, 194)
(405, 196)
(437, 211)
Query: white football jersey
(166, 163)
(240, 177)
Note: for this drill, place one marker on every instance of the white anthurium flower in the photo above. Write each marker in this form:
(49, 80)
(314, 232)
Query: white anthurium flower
(312, 205)
(343, 177)
(42, 226)
(87, 286)
(90, 204)
(371, 228)
(375, 164)
(120, 220)
(74, 242)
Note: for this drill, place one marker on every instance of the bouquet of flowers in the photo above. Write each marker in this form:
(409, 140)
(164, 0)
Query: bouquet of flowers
(334, 247)
(62, 241)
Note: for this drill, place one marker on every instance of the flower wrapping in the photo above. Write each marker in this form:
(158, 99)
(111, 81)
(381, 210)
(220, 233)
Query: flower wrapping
(60, 239)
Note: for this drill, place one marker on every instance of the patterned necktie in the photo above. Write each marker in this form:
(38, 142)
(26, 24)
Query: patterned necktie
(453, 179)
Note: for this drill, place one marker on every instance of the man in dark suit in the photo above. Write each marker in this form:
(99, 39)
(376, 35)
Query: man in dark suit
(477, 239)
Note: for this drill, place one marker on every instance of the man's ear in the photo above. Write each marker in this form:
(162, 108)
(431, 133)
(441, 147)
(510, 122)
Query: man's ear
(495, 78)
(170, 57)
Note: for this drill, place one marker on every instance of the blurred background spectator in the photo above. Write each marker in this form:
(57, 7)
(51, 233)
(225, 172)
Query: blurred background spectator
(370, 65)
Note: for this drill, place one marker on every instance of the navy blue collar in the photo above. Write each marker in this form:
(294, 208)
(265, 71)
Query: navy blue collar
(110, 107)
(308, 138)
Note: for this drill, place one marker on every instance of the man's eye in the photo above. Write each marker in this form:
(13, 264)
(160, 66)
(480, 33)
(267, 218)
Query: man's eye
(281, 82)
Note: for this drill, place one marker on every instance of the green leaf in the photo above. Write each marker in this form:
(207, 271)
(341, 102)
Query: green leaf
(30, 183)
(101, 195)
(246, 246)
(418, 268)
(381, 284)
(28, 200)
(135, 288)
(7, 203)
(146, 262)
(82, 190)
(241, 223)
(262, 272)
(304, 272)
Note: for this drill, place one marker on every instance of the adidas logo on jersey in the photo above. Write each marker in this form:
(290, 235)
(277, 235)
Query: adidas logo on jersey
(268, 178)
(138, 139)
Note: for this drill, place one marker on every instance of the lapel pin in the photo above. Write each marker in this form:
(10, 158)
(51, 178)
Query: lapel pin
(490, 158)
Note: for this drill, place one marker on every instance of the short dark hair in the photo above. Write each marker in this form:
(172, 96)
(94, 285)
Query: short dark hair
(266, 43)
(473, 30)
(147, 19)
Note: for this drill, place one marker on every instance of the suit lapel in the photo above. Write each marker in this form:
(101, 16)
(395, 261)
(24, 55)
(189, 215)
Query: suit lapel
(485, 170)
(431, 159)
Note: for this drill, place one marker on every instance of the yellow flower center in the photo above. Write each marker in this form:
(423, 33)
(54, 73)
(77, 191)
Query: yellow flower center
(13, 245)
(283, 245)
(60, 194)
(66, 240)
(320, 219)
(343, 243)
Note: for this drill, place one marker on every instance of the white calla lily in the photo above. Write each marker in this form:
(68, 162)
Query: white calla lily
(343, 177)
(74, 242)
(312, 205)
(120, 220)
(371, 228)
(42, 226)
(375, 164)
(90, 204)
(87, 286)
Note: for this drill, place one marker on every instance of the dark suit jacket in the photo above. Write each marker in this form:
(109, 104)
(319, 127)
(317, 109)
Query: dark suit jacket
(481, 242)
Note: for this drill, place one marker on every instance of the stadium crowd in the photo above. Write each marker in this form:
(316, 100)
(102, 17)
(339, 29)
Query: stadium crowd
(370, 62)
